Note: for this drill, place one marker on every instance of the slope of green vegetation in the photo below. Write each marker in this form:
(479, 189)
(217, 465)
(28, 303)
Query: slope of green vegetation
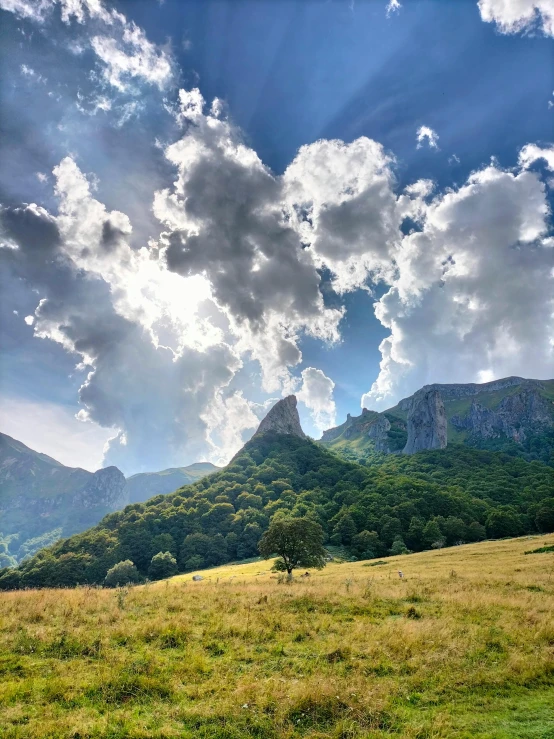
(418, 502)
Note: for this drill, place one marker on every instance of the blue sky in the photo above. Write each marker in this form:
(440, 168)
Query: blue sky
(100, 87)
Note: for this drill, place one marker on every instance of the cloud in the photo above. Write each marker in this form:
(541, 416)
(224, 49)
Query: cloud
(532, 153)
(393, 6)
(124, 53)
(516, 16)
(474, 292)
(155, 359)
(248, 263)
(132, 56)
(427, 135)
(342, 204)
(316, 393)
(226, 219)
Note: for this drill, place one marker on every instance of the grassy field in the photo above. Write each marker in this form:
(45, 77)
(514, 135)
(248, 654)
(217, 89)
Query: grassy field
(463, 646)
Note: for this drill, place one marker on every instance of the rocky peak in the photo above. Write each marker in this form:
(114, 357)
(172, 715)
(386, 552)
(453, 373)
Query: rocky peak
(106, 487)
(426, 422)
(282, 419)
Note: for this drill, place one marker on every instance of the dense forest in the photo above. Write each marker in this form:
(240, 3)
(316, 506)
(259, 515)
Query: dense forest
(388, 506)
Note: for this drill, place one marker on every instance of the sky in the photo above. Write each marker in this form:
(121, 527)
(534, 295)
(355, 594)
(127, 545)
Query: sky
(208, 205)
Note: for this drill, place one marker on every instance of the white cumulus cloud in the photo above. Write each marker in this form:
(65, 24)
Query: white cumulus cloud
(316, 392)
(473, 296)
(515, 16)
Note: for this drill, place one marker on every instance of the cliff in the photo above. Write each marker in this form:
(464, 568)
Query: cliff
(426, 423)
(497, 414)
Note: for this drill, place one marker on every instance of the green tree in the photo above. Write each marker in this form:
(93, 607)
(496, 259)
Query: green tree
(544, 518)
(399, 546)
(502, 523)
(248, 541)
(476, 531)
(194, 545)
(454, 529)
(345, 530)
(415, 533)
(432, 535)
(298, 542)
(390, 529)
(367, 545)
(163, 565)
(122, 573)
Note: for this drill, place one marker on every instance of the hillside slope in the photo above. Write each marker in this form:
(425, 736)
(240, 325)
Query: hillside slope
(460, 647)
(429, 499)
(41, 499)
(513, 415)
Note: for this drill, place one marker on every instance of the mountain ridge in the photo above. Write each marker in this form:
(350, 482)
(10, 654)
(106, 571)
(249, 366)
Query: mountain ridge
(508, 414)
(42, 499)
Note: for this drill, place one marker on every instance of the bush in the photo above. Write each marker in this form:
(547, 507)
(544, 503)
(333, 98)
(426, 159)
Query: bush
(123, 573)
(163, 565)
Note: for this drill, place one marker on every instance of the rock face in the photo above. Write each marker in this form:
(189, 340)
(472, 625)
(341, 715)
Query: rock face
(427, 422)
(282, 419)
(514, 417)
(105, 488)
(510, 409)
(378, 432)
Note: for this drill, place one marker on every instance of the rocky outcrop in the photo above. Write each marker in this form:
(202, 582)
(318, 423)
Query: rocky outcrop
(515, 416)
(426, 422)
(282, 419)
(337, 431)
(353, 426)
(106, 488)
(378, 433)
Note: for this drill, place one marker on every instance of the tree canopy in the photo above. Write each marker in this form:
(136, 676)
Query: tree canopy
(298, 542)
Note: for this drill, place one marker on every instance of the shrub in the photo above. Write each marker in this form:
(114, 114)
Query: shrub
(123, 573)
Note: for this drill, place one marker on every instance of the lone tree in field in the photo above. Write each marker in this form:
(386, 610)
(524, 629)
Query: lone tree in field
(298, 542)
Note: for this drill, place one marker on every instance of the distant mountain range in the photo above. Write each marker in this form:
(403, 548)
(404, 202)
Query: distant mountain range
(42, 500)
(513, 415)
(146, 485)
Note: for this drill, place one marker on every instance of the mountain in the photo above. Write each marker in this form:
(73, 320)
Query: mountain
(145, 485)
(514, 415)
(393, 502)
(41, 499)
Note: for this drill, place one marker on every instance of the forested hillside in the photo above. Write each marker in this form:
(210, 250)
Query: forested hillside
(427, 500)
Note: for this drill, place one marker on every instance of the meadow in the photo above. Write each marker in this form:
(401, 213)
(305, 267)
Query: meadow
(462, 646)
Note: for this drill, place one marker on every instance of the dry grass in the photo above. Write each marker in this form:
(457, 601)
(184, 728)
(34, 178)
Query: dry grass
(462, 647)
